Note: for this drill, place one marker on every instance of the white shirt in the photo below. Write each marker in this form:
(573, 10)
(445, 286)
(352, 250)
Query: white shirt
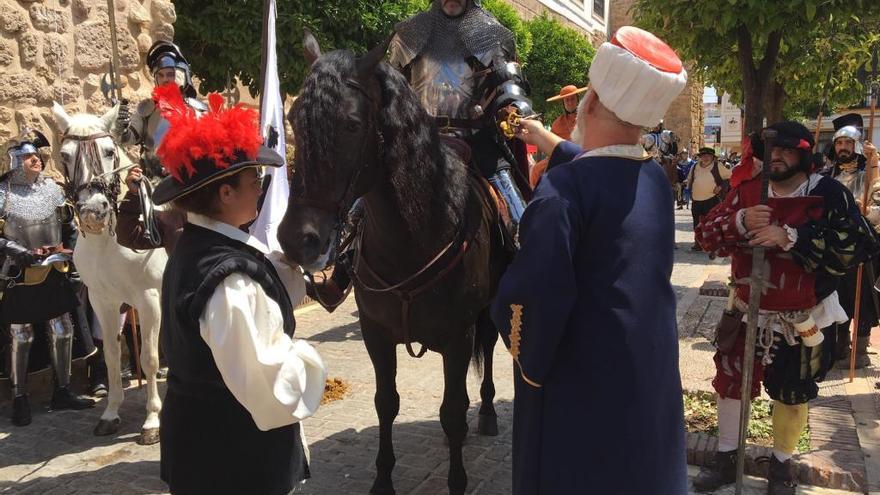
(279, 380)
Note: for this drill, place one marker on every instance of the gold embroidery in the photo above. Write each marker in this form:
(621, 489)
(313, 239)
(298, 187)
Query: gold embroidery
(515, 338)
(515, 329)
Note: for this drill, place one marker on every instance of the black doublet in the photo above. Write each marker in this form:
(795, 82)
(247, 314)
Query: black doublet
(209, 441)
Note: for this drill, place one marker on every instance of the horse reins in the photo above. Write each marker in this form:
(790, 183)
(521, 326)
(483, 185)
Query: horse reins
(406, 296)
(88, 152)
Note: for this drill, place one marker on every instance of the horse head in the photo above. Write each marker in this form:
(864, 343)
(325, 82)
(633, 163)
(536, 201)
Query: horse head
(339, 140)
(90, 161)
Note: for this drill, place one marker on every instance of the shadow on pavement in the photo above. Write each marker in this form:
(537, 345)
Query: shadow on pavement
(116, 478)
(343, 463)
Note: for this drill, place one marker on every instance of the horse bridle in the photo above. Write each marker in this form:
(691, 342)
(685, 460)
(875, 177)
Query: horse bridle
(340, 207)
(88, 152)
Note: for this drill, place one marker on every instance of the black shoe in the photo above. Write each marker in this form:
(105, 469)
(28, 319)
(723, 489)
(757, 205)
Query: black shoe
(781, 478)
(21, 411)
(696, 248)
(720, 471)
(63, 398)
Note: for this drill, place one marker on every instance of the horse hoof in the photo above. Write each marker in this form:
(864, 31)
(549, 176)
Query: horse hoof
(382, 488)
(149, 436)
(488, 425)
(106, 427)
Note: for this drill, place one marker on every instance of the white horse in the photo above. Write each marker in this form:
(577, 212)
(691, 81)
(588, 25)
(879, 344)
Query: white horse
(114, 274)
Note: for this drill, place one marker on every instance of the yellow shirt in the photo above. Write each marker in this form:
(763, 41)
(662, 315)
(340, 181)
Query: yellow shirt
(704, 183)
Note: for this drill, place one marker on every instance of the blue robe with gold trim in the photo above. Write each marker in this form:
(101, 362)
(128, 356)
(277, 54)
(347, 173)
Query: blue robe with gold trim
(588, 312)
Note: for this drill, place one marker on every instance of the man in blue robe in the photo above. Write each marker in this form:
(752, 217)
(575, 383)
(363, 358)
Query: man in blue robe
(586, 308)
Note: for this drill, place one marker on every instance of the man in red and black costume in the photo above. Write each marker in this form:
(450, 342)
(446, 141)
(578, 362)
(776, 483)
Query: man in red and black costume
(813, 233)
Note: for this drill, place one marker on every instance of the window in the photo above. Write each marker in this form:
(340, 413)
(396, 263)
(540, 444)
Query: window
(599, 8)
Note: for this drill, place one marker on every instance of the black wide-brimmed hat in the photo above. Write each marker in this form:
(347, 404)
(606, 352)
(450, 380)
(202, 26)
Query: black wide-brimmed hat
(198, 150)
(789, 134)
(706, 151)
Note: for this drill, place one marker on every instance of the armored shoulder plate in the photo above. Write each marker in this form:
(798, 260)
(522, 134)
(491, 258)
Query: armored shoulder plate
(197, 105)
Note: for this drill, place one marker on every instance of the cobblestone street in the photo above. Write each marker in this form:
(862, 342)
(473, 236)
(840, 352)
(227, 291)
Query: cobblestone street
(57, 454)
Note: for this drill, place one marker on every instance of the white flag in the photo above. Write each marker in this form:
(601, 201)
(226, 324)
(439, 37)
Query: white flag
(265, 228)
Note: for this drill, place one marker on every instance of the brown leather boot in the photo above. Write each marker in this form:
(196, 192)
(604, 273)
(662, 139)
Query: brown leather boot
(719, 472)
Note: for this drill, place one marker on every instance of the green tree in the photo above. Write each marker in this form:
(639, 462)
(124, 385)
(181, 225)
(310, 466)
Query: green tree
(560, 56)
(223, 39)
(755, 49)
(509, 18)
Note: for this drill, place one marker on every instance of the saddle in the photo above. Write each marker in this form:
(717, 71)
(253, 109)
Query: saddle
(505, 227)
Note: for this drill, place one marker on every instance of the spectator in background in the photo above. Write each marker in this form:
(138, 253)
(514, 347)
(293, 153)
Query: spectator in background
(562, 126)
(708, 181)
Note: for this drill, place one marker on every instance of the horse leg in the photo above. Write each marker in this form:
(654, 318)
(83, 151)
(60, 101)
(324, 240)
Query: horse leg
(486, 338)
(108, 316)
(148, 319)
(383, 355)
(453, 411)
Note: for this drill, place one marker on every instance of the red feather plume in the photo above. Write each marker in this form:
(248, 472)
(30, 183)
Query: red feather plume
(219, 135)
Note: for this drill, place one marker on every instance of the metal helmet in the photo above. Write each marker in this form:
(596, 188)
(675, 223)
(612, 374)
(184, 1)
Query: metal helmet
(851, 132)
(28, 143)
(167, 55)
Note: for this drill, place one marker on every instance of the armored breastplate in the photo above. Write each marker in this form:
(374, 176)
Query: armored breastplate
(155, 127)
(31, 212)
(445, 87)
(853, 180)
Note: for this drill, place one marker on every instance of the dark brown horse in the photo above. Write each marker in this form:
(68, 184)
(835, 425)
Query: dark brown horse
(427, 261)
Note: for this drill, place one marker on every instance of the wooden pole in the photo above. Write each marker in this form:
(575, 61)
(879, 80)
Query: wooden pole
(866, 187)
(756, 288)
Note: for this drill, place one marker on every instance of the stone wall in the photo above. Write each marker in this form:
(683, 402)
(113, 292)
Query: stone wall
(685, 115)
(58, 50)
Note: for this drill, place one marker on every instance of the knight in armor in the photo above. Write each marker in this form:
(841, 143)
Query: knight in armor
(660, 143)
(36, 293)
(846, 154)
(461, 63)
(147, 127)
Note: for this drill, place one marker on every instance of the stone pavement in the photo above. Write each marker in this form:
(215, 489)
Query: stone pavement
(58, 454)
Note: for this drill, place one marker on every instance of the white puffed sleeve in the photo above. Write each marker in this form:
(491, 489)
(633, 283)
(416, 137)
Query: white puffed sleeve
(280, 381)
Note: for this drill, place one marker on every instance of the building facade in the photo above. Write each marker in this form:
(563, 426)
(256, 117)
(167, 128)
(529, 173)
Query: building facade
(586, 16)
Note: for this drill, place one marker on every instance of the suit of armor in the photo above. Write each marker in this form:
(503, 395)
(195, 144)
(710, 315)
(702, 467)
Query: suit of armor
(34, 217)
(147, 127)
(464, 71)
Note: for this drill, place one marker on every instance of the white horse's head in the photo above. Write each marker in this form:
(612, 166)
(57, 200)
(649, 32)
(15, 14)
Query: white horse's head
(89, 160)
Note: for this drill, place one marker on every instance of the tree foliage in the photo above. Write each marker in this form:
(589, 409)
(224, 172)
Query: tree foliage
(560, 56)
(223, 39)
(759, 50)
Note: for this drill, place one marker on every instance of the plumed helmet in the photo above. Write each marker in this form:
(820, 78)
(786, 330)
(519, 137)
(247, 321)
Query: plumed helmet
(167, 55)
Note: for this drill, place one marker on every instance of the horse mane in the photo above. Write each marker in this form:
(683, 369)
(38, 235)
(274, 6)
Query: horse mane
(429, 180)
